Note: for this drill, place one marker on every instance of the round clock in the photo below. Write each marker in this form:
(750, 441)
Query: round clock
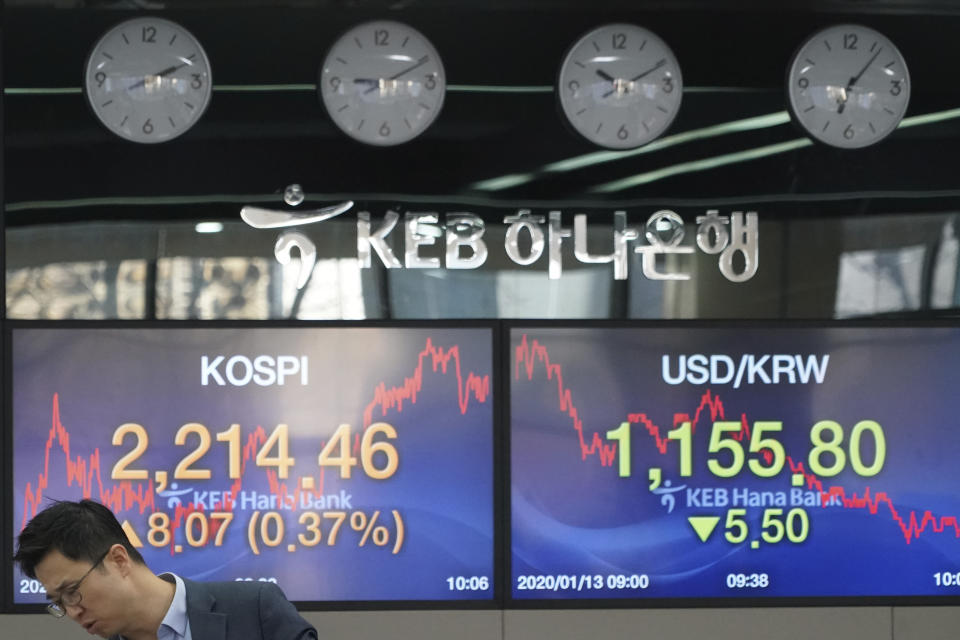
(848, 86)
(148, 80)
(620, 86)
(382, 83)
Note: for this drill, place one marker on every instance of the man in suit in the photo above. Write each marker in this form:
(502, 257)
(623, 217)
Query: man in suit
(91, 572)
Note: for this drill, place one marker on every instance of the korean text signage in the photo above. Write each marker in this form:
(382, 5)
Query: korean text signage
(529, 236)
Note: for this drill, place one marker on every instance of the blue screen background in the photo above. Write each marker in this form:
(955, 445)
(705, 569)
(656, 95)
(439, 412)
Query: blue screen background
(573, 515)
(99, 379)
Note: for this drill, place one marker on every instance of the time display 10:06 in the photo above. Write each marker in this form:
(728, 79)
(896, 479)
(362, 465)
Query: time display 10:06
(468, 583)
(947, 578)
(273, 453)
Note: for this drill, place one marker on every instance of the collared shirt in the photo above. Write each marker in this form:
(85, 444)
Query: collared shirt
(175, 625)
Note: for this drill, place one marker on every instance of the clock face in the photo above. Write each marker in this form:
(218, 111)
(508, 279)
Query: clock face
(620, 86)
(848, 86)
(148, 80)
(382, 83)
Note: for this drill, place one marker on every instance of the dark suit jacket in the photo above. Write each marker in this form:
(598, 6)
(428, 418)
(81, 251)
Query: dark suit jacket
(243, 611)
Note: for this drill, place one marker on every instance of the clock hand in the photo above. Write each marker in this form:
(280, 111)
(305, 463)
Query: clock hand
(854, 79)
(842, 103)
(159, 74)
(611, 90)
(606, 76)
(634, 78)
(422, 61)
(609, 78)
(649, 71)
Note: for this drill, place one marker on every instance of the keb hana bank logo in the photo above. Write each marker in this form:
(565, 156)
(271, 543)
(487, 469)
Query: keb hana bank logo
(459, 239)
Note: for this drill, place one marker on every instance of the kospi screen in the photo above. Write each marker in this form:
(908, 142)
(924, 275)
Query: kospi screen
(734, 462)
(343, 463)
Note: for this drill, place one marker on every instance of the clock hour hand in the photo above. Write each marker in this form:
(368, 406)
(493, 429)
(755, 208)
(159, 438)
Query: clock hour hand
(634, 78)
(842, 103)
(606, 76)
(609, 78)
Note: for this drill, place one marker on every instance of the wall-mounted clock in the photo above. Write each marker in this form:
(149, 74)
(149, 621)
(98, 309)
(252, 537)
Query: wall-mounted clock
(620, 86)
(148, 80)
(848, 86)
(382, 83)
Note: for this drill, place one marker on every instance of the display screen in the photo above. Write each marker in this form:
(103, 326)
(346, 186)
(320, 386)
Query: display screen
(721, 462)
(343, 463)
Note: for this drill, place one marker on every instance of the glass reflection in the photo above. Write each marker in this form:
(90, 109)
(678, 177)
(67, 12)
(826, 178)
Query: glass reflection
(816, 268)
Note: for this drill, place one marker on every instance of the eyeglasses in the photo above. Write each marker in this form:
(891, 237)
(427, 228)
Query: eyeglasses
(72, 596)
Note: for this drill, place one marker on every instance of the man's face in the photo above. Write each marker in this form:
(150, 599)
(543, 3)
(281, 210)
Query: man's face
(100, 609)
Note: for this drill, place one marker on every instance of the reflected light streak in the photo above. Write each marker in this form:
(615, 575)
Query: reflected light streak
(504, 182)
(600, 157)
(13, 207)
(266, 88)
(450, 199)
(465, 88)
(209, 227)
(701, 165)
(748, 155)
(929, 118)
(489, 88)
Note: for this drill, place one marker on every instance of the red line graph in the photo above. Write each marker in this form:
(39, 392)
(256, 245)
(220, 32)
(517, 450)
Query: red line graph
(86, 472)
(528, 355)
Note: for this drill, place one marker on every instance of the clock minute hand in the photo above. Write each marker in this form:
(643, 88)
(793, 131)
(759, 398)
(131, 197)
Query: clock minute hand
(607, 76)
(639, 75)
(649, 71)
(159, 74)
(422, 61)
(854, 80)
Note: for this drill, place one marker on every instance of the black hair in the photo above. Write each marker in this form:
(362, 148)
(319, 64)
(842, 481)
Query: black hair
(82, 530)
